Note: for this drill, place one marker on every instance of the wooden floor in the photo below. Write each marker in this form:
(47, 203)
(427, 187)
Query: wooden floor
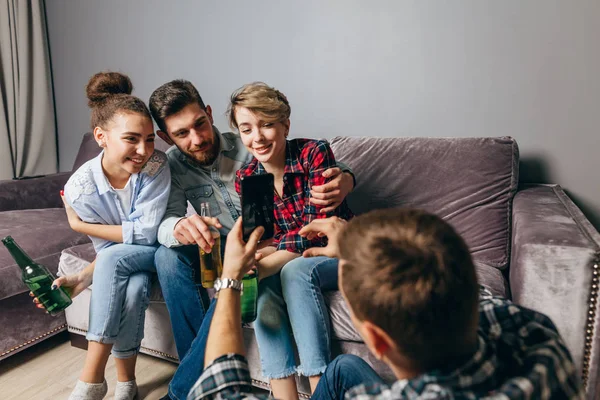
(49, 370)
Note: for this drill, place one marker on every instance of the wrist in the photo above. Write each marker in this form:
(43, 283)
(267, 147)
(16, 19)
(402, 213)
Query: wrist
(232, 275)
(232, 270)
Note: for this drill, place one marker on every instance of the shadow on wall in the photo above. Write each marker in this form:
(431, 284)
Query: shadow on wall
(535, 170)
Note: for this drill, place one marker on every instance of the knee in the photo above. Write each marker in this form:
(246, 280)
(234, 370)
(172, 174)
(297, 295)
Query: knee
(345, 361)
(166, 261)
(138, 292)
(296, 271)
(108, 258)
(300, 274)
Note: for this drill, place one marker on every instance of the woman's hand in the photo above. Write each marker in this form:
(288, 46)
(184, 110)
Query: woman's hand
(73, 284)
(240, 256)
(331, 194)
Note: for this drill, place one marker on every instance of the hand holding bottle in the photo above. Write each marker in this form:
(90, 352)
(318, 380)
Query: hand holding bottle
(196, 229)
(72, 284)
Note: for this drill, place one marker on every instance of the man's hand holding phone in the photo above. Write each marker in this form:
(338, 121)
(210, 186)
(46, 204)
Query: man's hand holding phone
(239, 255)
(195, 229)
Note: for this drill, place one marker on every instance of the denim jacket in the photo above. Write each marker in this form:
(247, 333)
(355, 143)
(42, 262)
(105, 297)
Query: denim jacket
(197, 184)
(90, 194)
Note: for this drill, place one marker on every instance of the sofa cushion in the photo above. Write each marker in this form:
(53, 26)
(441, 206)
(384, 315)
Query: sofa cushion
(42, 234)
(339, 314)
(470, 182)
(73, 259)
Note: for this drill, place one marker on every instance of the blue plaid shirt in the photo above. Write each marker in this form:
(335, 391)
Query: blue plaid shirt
(520, 356)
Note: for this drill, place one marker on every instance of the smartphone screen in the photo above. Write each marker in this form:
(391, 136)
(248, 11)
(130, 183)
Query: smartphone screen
(257, 204)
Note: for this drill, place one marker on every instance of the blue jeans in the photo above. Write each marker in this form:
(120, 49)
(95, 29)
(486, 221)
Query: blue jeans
(291, 306)
(190, 312)
(345, 372)
(122, 282)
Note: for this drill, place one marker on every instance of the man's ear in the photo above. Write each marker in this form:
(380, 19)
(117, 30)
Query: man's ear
(164, 136)
(208, 111)
(378, 341)
(100, 136)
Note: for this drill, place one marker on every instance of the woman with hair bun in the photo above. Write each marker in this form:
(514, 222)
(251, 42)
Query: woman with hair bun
(118, 199)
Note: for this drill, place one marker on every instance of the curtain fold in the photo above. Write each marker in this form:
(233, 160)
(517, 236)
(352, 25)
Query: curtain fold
(27, 119)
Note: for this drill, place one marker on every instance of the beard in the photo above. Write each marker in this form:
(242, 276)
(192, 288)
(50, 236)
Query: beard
(204, 158)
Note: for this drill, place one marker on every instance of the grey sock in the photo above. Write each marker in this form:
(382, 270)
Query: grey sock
(126, 390)
(89, 391)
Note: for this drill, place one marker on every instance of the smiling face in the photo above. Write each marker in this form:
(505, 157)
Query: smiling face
(192, 132)
(264, 140)
(128, 143)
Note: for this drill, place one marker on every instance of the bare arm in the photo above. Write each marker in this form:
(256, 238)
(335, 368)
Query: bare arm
(272, 264)
(225, 334)
(113, 233)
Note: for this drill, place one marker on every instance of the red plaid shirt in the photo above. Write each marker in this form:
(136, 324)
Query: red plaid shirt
(305, 162)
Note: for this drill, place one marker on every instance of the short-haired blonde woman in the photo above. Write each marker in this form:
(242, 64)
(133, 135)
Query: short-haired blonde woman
(290, 301)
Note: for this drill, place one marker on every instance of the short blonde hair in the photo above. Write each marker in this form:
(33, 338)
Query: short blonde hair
(269, 103)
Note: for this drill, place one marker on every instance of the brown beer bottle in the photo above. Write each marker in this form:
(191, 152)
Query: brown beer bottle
(211, 265)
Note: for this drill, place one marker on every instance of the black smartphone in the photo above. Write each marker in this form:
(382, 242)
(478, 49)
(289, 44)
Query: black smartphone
(257, 204)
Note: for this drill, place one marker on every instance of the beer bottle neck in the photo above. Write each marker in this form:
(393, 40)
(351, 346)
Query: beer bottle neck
(22, 259)
(205, 210)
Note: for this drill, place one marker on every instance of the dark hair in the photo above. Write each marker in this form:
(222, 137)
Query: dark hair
(410, 273)
(171, 98)
(110, 92)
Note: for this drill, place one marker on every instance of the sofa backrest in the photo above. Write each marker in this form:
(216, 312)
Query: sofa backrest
(89, 149)
(470, 182)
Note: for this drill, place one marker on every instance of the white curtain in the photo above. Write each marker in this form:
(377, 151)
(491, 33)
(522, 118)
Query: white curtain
(27, 120)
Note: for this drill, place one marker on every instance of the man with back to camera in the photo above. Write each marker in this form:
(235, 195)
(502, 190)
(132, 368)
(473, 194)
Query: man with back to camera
(413, 296)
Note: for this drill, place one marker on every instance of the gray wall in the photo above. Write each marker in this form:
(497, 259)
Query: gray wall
(528, 69)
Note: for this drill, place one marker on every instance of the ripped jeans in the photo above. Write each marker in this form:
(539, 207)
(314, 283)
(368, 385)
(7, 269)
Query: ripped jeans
(291, 308)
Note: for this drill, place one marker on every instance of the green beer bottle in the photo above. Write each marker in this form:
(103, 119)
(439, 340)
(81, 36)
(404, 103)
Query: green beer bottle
(38, 279)
(249, 297)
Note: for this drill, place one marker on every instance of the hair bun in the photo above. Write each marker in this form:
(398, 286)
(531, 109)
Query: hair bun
(106, 84)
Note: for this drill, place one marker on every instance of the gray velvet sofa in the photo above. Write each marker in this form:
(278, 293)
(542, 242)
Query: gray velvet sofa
(32, 212)
(531, 244)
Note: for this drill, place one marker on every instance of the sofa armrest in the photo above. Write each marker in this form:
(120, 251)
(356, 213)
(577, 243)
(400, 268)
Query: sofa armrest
(34, 193)
(554, 269)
